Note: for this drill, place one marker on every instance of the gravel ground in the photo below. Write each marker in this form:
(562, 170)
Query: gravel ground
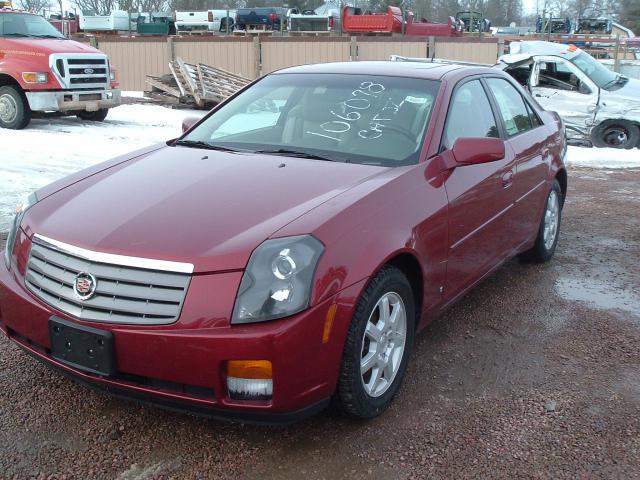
(534, 374)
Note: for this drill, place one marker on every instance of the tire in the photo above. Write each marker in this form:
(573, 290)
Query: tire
(15, 113)
(545, 247)
(352, 398)
(97, 116)
(616, 134)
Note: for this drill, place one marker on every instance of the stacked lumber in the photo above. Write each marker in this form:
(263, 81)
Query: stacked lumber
(198, 85)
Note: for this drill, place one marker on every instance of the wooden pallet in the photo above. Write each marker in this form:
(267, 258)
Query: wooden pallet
(218, 84)
(200, 84)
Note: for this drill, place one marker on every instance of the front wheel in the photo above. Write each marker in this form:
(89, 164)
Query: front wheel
(377, 347)
(97, 116)
(616, 134)
(549, 229)
(15, 113)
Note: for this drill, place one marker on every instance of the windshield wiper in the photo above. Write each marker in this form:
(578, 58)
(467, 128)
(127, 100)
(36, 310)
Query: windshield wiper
(58, 37)
(15, 35)
(201, 144)
(294, 153)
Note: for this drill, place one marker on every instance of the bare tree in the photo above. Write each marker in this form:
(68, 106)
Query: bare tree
(35, 6)
(99, 7)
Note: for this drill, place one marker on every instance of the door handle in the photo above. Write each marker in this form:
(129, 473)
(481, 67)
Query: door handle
(507, 179)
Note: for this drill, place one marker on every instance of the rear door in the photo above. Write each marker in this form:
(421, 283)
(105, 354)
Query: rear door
(480, 196)
(526, 136)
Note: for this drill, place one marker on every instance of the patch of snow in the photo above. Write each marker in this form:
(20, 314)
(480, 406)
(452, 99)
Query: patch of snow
(132, 94)
(49, 149)
(609, 158)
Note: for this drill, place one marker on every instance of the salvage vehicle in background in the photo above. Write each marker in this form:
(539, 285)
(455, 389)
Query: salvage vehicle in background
(209, 20)
(264, 18)
(328, 20)
(286, 249)
(43, 72)
(598, 106)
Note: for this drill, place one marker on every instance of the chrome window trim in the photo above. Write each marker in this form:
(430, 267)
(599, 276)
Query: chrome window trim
(114, 259)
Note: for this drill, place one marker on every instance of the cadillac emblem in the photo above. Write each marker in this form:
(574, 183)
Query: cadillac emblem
(85, 285)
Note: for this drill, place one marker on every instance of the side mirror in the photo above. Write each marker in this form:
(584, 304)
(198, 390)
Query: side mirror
(471, 150)
(189, 122)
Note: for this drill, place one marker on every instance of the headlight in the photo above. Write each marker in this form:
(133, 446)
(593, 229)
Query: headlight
(278, 280)
(15, 225)
(35, 77)
(112, 75)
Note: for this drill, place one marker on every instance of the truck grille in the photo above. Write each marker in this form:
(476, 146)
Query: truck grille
(86, 70)
(123, 293)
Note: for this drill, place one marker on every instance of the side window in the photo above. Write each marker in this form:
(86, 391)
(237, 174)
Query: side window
(535, 120)
(558, 75)
(470, 115)
(511, 105)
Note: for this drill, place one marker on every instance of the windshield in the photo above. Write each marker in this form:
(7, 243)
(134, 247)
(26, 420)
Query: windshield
(593, 69)
(25, 25)
(366, 119)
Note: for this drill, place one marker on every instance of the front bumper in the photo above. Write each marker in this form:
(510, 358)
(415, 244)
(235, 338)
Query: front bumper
(73, 100)
(183, 365)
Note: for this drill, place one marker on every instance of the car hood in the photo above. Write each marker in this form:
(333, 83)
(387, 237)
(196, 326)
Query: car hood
(203, 207)
(621, 103)
(49, 45)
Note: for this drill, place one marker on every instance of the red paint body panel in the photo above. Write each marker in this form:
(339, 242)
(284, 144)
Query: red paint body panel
(424, 28)
(458, 222)
(390, 21)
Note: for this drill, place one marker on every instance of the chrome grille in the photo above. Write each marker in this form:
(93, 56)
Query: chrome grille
(81, 70)
(124, 292)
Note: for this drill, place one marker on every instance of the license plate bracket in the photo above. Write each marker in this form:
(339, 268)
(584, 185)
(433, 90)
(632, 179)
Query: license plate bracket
(84, 348)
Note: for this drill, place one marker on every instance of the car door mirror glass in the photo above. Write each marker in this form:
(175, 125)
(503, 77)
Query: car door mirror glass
(471, 151)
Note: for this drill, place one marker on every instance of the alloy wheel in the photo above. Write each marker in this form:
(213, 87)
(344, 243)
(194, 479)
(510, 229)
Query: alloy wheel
(383, 344)
(551, 216)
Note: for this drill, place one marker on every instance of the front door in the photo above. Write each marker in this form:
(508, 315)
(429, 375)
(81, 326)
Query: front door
(480, 196)
(560, 86)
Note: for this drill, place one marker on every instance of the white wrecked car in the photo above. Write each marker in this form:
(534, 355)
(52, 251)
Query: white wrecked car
(598, 106)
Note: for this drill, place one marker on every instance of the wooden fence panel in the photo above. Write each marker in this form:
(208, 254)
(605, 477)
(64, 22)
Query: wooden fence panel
(285, 52)
(135, 59)
(236, 55)
(468, 50)
(375, 49)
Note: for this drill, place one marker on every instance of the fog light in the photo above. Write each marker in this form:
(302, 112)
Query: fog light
(249, 379)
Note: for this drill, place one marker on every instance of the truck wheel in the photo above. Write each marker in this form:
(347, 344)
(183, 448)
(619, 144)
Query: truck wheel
(616, 134)
(14, 108)
(97, 116)
(377, 348)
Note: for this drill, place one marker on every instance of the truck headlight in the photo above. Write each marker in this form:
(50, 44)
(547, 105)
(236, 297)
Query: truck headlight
(15, 225)
(278, 280)
(35, 77)
(112, 75)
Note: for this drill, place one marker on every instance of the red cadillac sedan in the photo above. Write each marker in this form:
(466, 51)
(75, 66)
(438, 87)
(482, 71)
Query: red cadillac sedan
(286, 249)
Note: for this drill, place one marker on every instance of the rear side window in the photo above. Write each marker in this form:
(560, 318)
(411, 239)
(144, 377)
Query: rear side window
(470, 114)
(511, 105)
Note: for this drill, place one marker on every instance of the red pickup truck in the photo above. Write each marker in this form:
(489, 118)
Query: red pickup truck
(41, 71)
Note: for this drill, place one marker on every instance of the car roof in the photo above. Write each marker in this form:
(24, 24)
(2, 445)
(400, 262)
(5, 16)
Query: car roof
(539, 47)
(426, 70)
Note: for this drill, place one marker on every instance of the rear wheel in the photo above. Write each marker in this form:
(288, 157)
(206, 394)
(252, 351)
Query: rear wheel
(14, 108)
(616, 134)
(377, 347)
(549, 230)
(97, 116)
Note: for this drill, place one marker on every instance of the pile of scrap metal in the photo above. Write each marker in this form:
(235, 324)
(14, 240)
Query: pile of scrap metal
(196, 85)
